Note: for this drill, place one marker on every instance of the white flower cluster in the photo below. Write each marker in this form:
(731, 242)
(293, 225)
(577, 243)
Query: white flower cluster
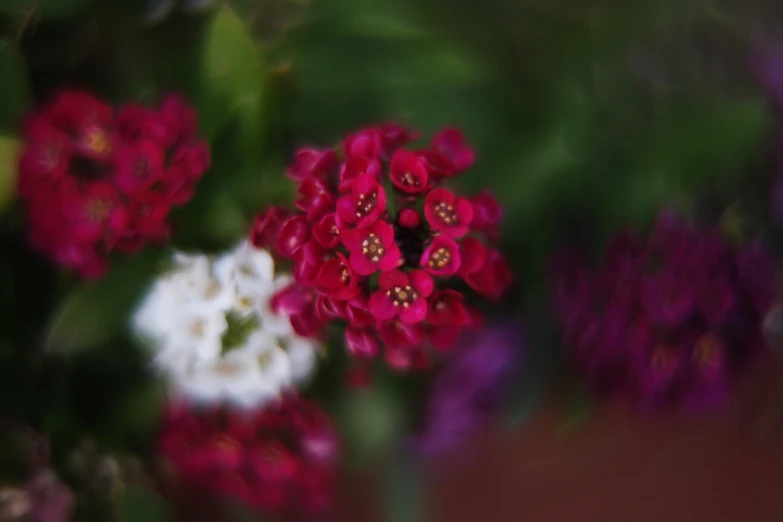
(187, 313)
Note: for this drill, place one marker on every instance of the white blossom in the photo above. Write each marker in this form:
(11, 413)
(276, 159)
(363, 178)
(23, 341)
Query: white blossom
(186, 315)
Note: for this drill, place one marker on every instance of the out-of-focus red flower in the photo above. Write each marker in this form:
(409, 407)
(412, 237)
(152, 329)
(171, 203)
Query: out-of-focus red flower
(94, 180)
(279, 460)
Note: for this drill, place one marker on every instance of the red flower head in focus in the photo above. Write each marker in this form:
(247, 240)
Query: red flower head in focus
(279, 460)
(95, 179)
(380, 244)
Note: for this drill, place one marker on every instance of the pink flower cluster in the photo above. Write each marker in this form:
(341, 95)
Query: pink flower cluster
(672, 320)
(379, 242)
(280, 459)
(95, 180)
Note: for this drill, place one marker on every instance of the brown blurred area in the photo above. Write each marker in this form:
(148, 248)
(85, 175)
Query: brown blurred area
(615, 467)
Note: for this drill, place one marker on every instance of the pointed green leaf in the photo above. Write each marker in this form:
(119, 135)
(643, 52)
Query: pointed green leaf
(234, 81)
(94, 312)
(9, 148)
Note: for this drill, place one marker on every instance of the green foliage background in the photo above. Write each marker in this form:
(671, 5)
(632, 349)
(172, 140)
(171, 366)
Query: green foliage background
(587, 116)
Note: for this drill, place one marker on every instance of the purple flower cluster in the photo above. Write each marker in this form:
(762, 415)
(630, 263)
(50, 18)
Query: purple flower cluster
(670, 321)
(471, 386)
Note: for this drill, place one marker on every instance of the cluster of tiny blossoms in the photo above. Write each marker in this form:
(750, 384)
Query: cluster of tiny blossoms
(95, 180)
(668, 321)
(213, 334)
(380, 243)
(279, 459)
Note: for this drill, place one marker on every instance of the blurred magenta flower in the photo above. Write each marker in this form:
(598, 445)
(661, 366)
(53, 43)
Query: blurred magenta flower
(280, 459)
(668, 321)
(471, 386)
(95, 180)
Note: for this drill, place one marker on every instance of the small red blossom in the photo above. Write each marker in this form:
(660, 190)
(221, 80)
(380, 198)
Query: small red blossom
(352, 168)
(266, 226)
(45, 160)
(441, 258)
(327, 231)
(447, 309)
(408, 218)
(367, 143)
(402, 294)
(486, 214)
(394, 136)
(329, 309)
(451, 145)
(139, 167)
(280, 460)
(96, 211)
(364, 204)
(361, 342)
(294, 233)
(485, 270)
(357, 311)
(337, 280)
(299, 305)
(448, 214)
(409, 172)
(315, 198)
(308, 261)
(372, 248)
(117, 174)
(388, 279)
(311, 163)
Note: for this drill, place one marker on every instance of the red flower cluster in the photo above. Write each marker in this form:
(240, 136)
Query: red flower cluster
(279, 459)
(95, 180)
(378, 242)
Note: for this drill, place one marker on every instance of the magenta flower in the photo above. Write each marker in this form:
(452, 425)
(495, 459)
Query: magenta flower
(312, 163)
(402, 294)
(451, 145)
(372, 249)
(448, 214)
(364, 203)
(383, 250)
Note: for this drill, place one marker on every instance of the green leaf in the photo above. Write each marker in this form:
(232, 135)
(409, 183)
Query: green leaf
(9, 148)
(16, 94)
(140, 505)
(93, 313)
(234, 82)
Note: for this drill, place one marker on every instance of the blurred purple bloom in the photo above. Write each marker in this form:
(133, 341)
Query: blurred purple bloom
(471, 387)
(672, 321)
